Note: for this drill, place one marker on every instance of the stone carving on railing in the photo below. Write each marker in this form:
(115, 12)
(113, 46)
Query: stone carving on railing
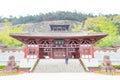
(11, 65)
(107, 65)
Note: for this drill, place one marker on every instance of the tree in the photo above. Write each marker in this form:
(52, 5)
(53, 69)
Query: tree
(76, 28)
(104, 25)
(101, 24)
(6, 39)
(116, 21)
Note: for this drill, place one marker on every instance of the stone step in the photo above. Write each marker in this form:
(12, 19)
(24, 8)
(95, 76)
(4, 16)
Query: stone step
(58, 65)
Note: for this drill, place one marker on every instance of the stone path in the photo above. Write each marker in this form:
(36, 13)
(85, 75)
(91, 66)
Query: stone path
(58, 65)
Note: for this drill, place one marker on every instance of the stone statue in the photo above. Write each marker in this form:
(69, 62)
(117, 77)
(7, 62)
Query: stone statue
(107, 65)
(11, 65)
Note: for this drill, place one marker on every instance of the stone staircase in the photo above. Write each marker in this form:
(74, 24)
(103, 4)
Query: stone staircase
(58, 65)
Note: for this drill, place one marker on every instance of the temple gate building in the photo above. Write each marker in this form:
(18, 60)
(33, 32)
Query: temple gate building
(58, 43)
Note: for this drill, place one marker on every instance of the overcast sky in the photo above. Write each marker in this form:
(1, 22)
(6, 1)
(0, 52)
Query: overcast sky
(32, 7)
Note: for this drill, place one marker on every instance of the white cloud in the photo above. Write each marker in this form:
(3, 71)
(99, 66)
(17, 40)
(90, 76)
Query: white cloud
(26, 7)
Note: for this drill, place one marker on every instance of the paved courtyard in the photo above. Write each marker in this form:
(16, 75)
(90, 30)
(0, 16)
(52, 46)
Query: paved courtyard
(60, 76)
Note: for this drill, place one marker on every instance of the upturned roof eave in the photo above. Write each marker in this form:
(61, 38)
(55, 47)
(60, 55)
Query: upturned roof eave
(56, 35)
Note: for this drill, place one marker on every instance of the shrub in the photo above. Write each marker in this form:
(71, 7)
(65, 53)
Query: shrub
(2, 66)
(116, 66)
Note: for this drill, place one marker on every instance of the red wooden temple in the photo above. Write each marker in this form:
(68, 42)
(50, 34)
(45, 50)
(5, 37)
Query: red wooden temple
(58, 43)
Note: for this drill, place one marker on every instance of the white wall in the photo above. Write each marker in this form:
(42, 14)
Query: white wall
(98, 58)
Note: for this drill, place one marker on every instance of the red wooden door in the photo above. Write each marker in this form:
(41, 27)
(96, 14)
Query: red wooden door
(86, 51)
(59, 53)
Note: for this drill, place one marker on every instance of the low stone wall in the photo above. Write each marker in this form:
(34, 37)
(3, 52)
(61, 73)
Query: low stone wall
(11, 50)
(107, 49)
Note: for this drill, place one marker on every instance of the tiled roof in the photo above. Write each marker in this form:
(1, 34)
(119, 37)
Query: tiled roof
(59, 34)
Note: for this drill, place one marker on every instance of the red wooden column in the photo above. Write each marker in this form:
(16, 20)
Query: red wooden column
(80, 50)
(66, 49)
(40, 56)
(51, 48)
(37, 51)
(92, 51)
(40, 52)
(25, 51)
